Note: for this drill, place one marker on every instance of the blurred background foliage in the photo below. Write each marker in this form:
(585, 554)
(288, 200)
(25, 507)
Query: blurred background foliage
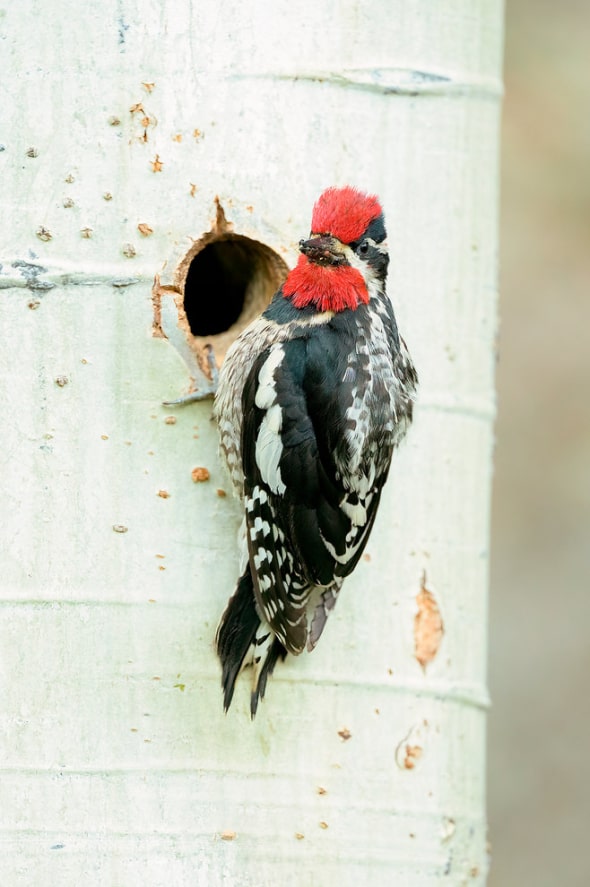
(539, 738)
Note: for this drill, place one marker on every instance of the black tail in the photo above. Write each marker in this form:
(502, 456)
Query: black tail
(237, 636)
(273, 653)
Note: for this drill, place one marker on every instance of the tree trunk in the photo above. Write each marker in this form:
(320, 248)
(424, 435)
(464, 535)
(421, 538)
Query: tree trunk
(123, 123)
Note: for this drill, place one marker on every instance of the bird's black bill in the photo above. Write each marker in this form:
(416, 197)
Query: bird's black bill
(324, 250)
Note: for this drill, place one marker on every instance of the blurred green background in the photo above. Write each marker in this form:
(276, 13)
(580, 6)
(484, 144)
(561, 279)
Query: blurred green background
(539, 737)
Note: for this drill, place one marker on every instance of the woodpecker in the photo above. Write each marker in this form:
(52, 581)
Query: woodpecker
(312, 399)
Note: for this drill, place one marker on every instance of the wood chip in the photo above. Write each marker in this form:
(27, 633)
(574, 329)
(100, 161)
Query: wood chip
(428, 625)
(413, 753)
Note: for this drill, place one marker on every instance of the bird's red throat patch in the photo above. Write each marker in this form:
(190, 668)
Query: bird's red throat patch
(325, 287)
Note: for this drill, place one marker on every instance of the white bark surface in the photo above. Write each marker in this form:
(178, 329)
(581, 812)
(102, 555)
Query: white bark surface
(118, 766)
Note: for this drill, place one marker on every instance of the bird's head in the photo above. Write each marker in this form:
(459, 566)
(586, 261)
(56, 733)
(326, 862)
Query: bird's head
(345, 254)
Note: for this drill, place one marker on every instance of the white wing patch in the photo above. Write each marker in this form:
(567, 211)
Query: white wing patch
(266, 393)
(269, 447)
(356, 513)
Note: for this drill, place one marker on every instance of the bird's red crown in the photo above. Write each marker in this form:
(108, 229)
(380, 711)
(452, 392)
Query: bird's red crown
(346, 213)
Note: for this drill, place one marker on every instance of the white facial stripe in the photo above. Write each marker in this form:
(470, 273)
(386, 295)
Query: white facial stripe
(367, 271)
(380, 247)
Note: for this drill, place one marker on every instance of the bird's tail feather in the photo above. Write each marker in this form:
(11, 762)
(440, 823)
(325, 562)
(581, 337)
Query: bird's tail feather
(243, 640)
(273, 650)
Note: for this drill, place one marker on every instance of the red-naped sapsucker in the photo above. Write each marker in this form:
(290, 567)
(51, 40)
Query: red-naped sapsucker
(313, 398)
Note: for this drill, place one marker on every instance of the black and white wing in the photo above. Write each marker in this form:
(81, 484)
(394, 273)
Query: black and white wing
(308, 517)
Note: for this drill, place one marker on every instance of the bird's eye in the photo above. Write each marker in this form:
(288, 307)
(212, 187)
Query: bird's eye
(364, 248)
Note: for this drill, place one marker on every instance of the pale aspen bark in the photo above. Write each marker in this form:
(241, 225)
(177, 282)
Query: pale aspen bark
(121, 123)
